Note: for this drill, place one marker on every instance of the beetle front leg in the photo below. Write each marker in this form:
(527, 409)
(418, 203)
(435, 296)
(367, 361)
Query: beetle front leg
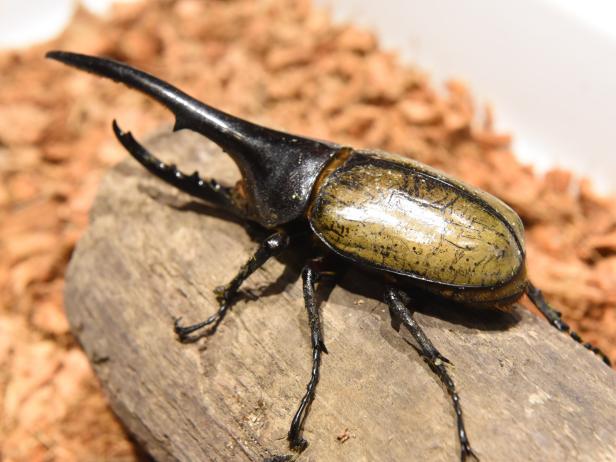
(554, 318)
(310, 276)
(225, 295)
(396, 301)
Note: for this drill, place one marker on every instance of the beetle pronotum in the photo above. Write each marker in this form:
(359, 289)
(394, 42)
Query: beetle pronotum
(416, 227)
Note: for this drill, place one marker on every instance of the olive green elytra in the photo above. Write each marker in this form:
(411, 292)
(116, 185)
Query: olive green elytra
(397, 215)
(410, 224)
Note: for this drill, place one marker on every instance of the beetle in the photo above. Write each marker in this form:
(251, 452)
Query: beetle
(418, 228)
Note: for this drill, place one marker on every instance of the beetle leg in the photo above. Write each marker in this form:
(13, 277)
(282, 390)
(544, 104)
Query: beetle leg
(554, 318)
(310, 276)
(273, 245)
(396, 301)
(209, 190)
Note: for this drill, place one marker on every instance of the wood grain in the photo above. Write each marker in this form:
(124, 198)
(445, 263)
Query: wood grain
(151, 253)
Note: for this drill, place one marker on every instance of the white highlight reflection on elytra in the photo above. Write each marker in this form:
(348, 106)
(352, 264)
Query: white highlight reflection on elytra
(428, 223)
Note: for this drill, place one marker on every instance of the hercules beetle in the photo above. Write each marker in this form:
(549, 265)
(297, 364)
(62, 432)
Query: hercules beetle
(415, 226)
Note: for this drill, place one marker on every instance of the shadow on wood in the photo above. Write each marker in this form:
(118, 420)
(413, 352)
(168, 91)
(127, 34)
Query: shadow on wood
(528, 392)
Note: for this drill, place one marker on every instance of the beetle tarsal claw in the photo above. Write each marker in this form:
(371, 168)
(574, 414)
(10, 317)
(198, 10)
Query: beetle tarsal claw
(298, 444)
(467, 452)
(441, 359)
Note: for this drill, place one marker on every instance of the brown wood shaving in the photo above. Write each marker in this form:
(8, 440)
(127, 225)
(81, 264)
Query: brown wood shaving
(344, 436)
(278, 62)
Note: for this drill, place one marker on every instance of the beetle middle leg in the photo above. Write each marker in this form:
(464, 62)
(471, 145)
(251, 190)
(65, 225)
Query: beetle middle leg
(396, 300)
(270, 247)
(310, 277)
(554, 318)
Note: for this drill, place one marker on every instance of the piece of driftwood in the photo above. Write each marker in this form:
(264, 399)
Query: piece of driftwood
(529, 393)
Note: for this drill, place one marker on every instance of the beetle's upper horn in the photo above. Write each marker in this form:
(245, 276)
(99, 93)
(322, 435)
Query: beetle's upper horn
(275, 165)
(230, 132)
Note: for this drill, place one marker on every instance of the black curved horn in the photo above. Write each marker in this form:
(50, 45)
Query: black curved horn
(268, 159)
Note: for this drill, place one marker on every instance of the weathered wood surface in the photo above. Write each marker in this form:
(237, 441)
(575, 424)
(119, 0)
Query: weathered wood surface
(528, 392)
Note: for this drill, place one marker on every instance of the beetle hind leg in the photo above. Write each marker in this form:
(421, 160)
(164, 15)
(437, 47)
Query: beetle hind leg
(208, 190)
(554, 318)
(270, 247)
(396, 300)
(310, 277)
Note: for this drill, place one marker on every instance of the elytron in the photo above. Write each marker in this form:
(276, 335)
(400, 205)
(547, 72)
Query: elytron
(416, 228)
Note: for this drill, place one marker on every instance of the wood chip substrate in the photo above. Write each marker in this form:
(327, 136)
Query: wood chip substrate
(281, 63)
